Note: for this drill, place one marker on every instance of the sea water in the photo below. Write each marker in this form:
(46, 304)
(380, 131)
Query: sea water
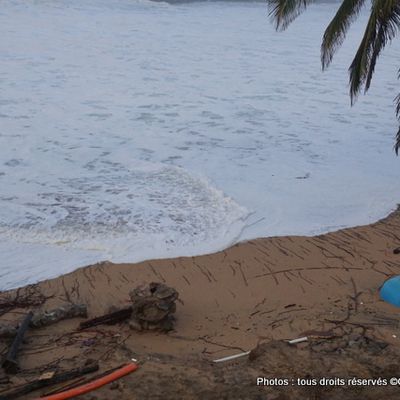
(132, 129)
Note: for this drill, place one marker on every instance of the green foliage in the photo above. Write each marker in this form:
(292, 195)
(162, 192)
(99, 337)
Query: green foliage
(382, 26)
(336, 31)
(285, 11)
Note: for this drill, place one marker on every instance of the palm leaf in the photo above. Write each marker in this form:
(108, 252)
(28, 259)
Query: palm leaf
(283, 12)
(336, 31)
(386, 32)
(397, 141)
(382, 26)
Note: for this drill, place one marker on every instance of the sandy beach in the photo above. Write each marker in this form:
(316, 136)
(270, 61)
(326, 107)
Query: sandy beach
(197, 136)
(256, 294)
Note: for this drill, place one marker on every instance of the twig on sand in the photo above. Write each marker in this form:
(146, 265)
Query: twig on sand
(220, 344)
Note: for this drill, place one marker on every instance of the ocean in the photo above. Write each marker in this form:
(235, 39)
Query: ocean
(132, 129)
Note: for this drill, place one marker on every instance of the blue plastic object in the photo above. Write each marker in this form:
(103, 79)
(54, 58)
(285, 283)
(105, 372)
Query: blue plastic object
(390, 291)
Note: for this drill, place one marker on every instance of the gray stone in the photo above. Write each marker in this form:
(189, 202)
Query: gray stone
(153, 307)
(46, 318)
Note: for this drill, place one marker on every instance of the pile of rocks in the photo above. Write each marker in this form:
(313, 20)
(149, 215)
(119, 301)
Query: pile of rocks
(153, 307)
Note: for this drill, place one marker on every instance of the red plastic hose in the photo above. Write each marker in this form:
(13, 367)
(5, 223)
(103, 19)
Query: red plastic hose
(88, 387)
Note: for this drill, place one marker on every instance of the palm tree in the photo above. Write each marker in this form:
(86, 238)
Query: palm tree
(382, 26)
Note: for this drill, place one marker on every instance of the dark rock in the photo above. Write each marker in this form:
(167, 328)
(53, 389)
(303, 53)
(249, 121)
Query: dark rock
(7, 331)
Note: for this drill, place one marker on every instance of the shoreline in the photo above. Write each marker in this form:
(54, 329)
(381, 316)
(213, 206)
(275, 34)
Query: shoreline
(257, 291)
(177, 253)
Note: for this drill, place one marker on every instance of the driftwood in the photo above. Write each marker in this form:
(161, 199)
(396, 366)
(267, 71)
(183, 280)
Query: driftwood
(152, 307)
(10, 363)
(41, 383)
(81, 381)
(107, 319)
(46, 318)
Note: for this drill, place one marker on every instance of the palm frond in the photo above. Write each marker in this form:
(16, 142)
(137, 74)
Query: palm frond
(336, 31)
(397, 140)
(397, 143)
(397, 101)
(283, 12)
(382, 27)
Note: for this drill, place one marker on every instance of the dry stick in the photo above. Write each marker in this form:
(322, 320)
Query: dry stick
(65, 386)
(81, 381)
(10, 364)
(108, 319)
(40, 383)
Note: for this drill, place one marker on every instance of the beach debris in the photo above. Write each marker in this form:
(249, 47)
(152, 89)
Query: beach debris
(27, 297)
(7, 331)
(396, 250)
(81, 380)
(263, 347)
(47, 375)
(233, 357)
(108, 319)
(10, 364)
(65, 311)
(390, 291)
(88, 342)
(97, 383)
(52, 380)
(313, 334)
(65, 386)
(298, 340)
(4, 380)
(153, 307)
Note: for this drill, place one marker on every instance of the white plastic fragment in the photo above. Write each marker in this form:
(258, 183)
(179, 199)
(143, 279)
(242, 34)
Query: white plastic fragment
(298, 340)
(246, 353)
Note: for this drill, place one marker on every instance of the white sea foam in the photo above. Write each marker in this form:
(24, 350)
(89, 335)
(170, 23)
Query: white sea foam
(134, 129)
(113, 213)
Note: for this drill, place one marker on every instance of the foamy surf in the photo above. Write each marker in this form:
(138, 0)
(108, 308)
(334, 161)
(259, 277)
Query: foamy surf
(113, 112)
(119, 214)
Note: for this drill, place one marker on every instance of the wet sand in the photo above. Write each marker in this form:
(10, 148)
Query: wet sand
(258, 293)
